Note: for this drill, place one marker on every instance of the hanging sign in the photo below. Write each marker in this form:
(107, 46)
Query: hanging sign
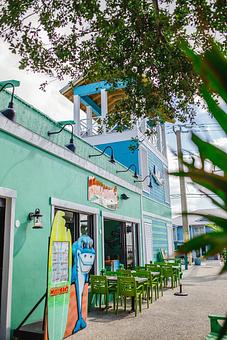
(102, 194)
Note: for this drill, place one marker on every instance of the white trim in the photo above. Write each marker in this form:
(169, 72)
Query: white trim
(5, 192)
(103, 242)
(157, 217)
(76, 114)
(32, 138)
(122, 218)
(144, 172)
(104, 108)
(96, 241)
(7, 272)
(73, 206)
(148, 228)
(112, 137)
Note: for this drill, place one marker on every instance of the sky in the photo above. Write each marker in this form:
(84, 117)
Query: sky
(55, 105)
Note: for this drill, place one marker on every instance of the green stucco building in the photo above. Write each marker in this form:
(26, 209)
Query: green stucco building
(38, 171)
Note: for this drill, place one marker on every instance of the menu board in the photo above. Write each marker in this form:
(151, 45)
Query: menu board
(60, 262)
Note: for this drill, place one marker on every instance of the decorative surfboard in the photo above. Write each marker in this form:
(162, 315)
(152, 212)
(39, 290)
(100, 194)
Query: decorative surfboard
(59, 278)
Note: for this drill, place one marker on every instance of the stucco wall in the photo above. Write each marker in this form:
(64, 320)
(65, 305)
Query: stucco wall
(36, 176)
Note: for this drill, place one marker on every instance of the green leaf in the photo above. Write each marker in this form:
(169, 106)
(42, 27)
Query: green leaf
(212, 67)
(211, 152)
(220, 221)
(212, 182)
(216, 111)
(217, 242)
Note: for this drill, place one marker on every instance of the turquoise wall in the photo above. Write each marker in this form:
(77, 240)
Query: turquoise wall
(36, 176)
(159, 227)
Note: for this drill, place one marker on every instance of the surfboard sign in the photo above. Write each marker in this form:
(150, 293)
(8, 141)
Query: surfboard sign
(59, 277)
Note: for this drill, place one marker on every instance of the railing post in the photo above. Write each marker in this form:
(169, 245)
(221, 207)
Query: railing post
(104, 108)
(77, 114)
(89, 120)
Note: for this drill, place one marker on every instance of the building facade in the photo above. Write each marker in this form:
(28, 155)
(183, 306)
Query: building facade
(131, 147)
(198, 225)
(38, 171)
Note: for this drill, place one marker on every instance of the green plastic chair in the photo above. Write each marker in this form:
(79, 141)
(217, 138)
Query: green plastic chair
(169, 273)
(140, 267)
(100, 286)
(151, 285)
(215, 327)
(160, 278)
(177, 271)
(110, 273)
(124, 272)
(127, 287)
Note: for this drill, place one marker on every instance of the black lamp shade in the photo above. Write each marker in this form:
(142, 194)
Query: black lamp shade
(9, 112)
(112, 160)
(135, 175)
(150, 184)
(71, 146)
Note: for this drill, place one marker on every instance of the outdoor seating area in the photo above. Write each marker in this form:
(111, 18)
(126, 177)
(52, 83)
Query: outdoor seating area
(127, 289)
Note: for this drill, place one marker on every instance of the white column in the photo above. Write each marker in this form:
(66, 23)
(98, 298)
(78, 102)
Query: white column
(89, 120)
(104, 108)
(77, 114)
(170, 239)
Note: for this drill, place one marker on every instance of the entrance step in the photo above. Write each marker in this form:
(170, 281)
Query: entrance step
(30, 331)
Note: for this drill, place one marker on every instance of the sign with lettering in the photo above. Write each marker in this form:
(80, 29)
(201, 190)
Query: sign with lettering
(102, 194)
(59, 290)
(60, 262)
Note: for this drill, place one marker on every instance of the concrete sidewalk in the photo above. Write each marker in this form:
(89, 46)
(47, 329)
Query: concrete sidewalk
(170, 317)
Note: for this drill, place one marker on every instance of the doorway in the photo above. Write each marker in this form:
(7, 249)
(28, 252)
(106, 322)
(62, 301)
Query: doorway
(120, 244)
(2, 238)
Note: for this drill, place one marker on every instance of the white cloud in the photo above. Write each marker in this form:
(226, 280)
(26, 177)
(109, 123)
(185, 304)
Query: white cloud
(50, 102)
(221, 143)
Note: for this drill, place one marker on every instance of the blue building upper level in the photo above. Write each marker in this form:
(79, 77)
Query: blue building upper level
(92, 102)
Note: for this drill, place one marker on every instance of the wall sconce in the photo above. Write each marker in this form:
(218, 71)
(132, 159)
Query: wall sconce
(71, 146)
(124, 197)
(111, 160)
(36, 216)
(130, 166)
(150, 182)
(9, 112)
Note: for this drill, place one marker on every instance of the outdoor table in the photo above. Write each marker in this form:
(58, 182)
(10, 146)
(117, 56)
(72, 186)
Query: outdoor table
(155, 273)
(139, 280)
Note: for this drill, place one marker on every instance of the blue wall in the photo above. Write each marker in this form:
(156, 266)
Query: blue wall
(122, 153)
(158, 191)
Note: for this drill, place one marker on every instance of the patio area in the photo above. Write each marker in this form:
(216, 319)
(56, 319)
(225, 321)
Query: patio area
(170, 317)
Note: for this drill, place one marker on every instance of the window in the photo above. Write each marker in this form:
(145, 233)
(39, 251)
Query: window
(79, 224)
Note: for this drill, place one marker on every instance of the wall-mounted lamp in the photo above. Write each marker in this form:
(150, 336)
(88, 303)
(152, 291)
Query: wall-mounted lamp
(124, 197)
(150, 182)
(130, 166)
(111, 160)
(71, 146)
(37, 217)
(9, 112)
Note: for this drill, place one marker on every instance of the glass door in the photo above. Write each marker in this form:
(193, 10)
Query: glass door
(129, 244)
